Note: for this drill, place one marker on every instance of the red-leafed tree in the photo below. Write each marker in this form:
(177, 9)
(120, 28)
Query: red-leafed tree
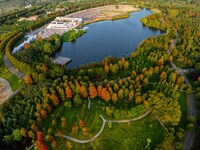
(68, 92)
(28, 79)
(100, 88)
(40, 144)
(105, 95)
(55, 99)
(92, 91)
(43, 113)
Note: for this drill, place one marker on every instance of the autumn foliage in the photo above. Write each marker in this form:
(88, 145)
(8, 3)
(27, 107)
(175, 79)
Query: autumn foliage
(40, 144)
(105, 95)
(68, 92)
(92, 91)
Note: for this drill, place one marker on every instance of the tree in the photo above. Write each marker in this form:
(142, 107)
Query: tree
(68, 92)
(81, 123)
(114, 69)
(114, 98)
(138, 99)
(131, 95)
(166, 108)
(28, 79)
(160, 61)
(68, 145)
(16, 135)
(63, 122)
(145, 82)
(105, 95)
(120, 94)
(77, 100)
(163, 75)
(99, 89)
(23, 132)
(172, 77)
(106, 68)
(43, 113)
(92, 91)
(55, 99)
(126, 65)
(83, 91)
(91, 73)
(48, 48)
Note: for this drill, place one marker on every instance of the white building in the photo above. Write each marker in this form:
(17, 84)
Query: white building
(64, 23)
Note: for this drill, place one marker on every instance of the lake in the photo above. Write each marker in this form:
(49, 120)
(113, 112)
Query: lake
(108, 38)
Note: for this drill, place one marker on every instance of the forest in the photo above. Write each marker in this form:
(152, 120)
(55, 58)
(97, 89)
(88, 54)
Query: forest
(55, 104)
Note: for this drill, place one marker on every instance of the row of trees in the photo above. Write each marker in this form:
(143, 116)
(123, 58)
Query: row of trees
(15, 62)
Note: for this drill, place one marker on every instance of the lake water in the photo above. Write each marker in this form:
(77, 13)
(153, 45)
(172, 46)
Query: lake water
(108, 38)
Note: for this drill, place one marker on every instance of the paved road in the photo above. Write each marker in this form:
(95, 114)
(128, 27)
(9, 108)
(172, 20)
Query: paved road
(12, 69)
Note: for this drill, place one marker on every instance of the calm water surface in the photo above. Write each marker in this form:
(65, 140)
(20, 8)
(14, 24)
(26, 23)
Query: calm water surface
(108, 38)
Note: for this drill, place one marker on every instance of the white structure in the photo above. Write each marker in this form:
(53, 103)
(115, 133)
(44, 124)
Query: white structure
(30, 38)
(64, 23)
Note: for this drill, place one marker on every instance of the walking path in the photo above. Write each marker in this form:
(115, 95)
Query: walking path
(89, 102)
(12, 69)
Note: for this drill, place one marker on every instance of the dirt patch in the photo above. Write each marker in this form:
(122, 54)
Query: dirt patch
(3, 93)
(104, 13)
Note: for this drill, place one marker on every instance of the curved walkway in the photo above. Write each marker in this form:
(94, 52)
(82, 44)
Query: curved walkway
(102, 128)
(11, 68)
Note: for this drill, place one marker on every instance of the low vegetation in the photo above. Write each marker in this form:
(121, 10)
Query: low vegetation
(72, 35)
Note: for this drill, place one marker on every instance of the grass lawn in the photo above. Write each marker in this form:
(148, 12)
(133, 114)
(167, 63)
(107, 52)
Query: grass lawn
(11, 78)
(121, 136)
(72, 35)
(183, 103)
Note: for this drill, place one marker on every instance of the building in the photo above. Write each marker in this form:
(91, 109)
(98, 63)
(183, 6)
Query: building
(64, 23)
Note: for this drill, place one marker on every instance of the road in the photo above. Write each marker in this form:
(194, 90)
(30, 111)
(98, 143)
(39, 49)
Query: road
(12, 69)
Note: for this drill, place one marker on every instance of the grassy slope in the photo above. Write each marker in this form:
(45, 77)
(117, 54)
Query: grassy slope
(72, 35)
(7, 75)
(11, 78)
(183, 104)
(133, 135)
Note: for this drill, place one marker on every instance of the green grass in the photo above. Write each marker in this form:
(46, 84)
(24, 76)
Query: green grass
(72, 35)
(126, 15)
(11, 78)
(183, 103)
(120, 136)
(123, 136)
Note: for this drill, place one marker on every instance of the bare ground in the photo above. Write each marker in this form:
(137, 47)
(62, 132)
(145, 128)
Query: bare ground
(103, 13)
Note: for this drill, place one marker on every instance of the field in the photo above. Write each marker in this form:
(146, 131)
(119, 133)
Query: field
(7, 75)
